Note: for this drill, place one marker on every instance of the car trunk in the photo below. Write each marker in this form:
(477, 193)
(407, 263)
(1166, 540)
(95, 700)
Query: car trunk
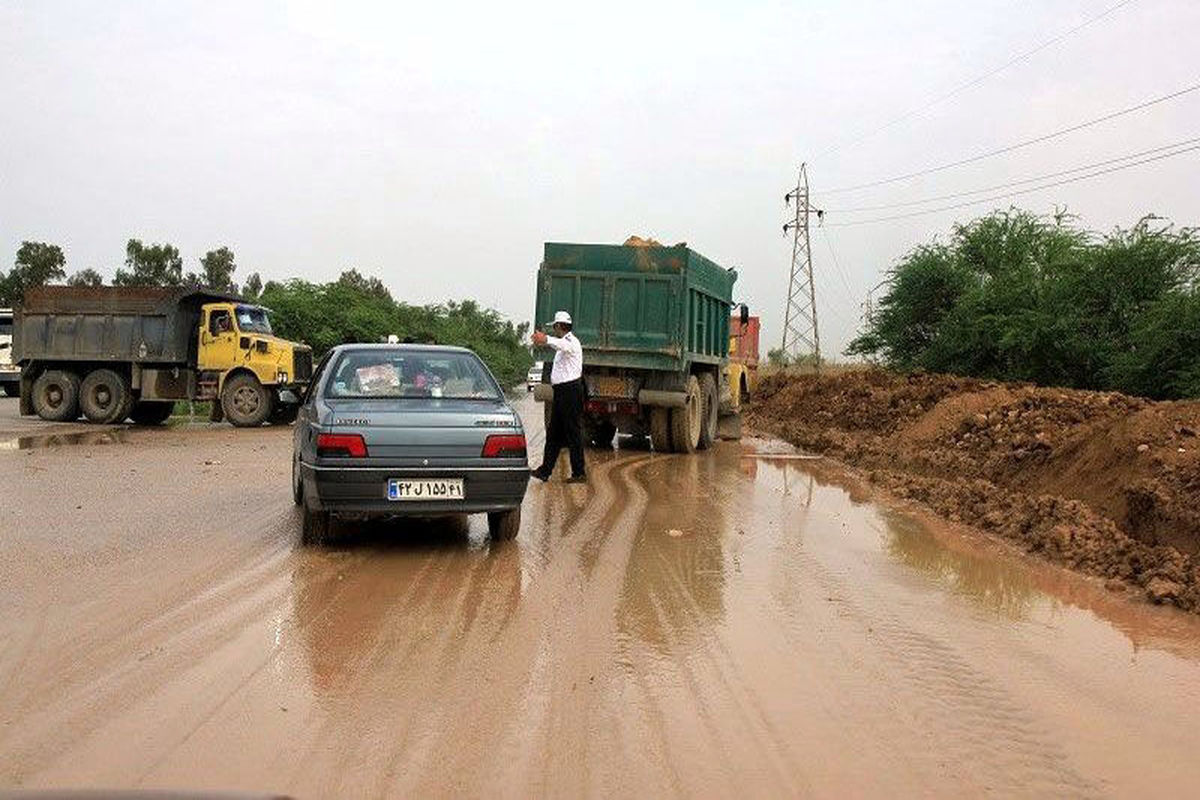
(411, 431)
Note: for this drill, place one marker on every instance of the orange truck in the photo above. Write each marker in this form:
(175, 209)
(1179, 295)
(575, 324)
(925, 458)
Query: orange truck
(742, 369)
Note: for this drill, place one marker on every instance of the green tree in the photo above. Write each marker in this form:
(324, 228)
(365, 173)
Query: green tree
(253, 287)
(150, 265)
(86, 277)
(36, 264)
(1015, 296)
(356, 308)
(216, 271)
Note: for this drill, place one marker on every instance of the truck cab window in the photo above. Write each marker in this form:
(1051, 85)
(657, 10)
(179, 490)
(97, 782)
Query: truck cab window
(220, 322)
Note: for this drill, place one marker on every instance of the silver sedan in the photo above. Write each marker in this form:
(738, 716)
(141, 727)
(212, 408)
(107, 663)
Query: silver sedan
(407, 430)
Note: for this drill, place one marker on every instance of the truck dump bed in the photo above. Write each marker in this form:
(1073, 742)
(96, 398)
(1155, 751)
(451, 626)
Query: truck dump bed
(657, 308)
(148, 325)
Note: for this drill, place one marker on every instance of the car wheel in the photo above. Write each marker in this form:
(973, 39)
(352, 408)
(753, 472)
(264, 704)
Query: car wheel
(105, 397)
(316, 528)
(245, 401)
(56, 395)
(504, 525)
(297, 482)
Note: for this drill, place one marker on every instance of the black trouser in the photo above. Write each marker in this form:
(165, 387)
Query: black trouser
(566, 414)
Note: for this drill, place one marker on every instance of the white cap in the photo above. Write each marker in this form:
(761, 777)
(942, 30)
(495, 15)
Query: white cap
(561, 316)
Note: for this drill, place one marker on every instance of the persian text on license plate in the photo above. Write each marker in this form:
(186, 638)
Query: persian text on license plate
(425, 489)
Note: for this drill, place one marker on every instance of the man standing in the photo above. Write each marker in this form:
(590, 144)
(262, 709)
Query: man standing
(566, 378)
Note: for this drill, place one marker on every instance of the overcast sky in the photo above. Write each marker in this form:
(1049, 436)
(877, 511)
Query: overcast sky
(438, 146)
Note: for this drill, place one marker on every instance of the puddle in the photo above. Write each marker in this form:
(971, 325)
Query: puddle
(43, 440)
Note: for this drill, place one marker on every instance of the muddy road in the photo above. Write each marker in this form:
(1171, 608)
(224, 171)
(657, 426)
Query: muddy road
(741, 622)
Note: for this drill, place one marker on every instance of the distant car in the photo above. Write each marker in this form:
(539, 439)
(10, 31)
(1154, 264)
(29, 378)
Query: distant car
(407, 430)
(535, 375)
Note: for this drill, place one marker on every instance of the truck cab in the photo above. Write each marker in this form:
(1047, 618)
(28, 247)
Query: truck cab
(244, 365)
(10, 373)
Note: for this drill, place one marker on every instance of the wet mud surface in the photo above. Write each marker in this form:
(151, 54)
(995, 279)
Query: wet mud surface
(739, 622)
(1101, 482)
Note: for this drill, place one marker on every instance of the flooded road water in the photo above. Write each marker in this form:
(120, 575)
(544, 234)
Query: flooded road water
(712, 625)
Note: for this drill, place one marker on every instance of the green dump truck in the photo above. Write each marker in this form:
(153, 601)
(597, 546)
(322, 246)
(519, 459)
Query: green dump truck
(654, 324)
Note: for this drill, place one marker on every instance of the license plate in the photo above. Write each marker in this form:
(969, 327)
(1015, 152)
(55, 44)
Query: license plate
(607, 386)
(401, 489)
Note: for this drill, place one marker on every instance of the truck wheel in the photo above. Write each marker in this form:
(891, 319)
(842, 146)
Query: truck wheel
(56, 395)
(504, 525)
(686, 421)
(245, 401)
(315, 530)
(708, 411)
(151, 412)
(105, 397)
(660, 429)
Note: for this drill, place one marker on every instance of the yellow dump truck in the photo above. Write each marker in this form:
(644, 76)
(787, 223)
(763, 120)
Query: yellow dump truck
(117, 353)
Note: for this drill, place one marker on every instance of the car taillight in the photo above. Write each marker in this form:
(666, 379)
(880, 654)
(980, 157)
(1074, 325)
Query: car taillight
(504, 445)
(341, 445)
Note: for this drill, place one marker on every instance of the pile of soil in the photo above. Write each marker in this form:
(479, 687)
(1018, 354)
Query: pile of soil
(1099, 481)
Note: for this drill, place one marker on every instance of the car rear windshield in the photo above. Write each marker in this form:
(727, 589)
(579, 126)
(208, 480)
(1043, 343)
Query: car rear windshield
(410, 374)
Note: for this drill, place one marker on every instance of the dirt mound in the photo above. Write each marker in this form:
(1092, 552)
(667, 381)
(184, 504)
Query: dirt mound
(1099, 481)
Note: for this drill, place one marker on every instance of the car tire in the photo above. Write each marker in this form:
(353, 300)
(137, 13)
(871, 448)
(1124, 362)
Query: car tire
(660, 429)
(315, 528)
(56, 395)
(151, 412)
(504, 525)
(708, 411)
(105, 397)
(685, 421)
(245, 401)
(297, 482)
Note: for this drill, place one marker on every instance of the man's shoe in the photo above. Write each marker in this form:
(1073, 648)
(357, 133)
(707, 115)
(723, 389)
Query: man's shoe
(541, 476)
(577, 479)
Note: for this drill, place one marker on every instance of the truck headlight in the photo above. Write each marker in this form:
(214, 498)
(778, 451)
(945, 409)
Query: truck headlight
(281, 377)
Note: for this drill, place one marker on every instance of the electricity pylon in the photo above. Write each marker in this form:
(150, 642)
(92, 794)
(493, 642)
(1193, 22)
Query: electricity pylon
(801, 340)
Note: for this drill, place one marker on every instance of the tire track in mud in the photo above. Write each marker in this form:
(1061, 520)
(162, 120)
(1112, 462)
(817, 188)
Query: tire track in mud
(729, 708)
(144, 653)
(977, 722)
(502, 664)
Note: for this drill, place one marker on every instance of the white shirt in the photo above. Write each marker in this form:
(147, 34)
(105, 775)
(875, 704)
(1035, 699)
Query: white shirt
(568, 358)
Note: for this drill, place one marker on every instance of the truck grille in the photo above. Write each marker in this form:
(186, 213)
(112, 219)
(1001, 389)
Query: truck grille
(303, 365)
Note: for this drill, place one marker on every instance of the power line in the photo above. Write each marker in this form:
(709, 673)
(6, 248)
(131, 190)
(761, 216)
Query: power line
(1008, 149)
(1016, 193)
(838, 266)
(1023, 181)
(978, 78)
